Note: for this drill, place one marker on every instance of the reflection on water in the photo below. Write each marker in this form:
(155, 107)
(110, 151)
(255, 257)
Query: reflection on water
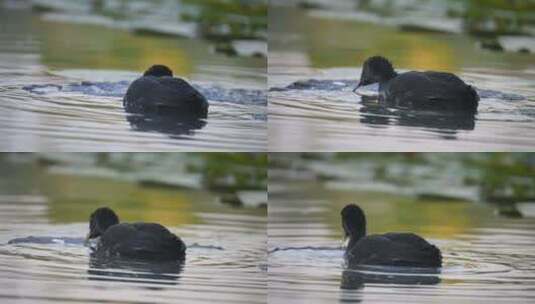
(357, 279)
(486, 258)
(47, 240)
(44, 213)
(174, 126)
(121, 270)
(444, 124)
(315, 63)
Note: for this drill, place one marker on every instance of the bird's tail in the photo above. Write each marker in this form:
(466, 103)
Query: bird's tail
(475, 97)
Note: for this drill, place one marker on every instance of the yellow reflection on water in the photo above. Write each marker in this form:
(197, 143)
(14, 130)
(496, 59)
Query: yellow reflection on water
(435, 55)
(340, 43)
(93, 47)
(73, 199)
(392, 213)
(350, 43)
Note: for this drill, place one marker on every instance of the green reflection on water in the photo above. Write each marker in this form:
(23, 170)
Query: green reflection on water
(505, 178)
(72, 46)
(72, 197)
(506, 17)
(243, 19)
(335, 43)
(431, 209)
(246, 170)
(389, 213)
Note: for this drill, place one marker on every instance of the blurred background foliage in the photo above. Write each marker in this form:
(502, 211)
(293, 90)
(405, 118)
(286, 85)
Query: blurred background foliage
(165, 187)
(504, 180)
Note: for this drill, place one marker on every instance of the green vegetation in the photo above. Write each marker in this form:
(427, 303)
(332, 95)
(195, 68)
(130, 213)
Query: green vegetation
(73, 185)
(345, 40)
(234, 171)
(388, 212)
(505, 177)
(226, 20)
(502, 178)
(220, 21)
(83, 46)
(498, 17)
(77, 46)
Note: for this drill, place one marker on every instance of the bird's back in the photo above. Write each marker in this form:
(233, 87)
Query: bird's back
(149, 241)
(164, 95)
(394, 249)
(434, 91)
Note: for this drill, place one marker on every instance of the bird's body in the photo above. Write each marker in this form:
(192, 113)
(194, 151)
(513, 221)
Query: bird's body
(431, 91)
(159, 92)
(427, 91)
(149, 241)
(145, 241)
(393, 249)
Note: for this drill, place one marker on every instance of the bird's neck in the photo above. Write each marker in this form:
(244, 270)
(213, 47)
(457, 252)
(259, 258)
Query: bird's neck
(387, 77)
(355, 237)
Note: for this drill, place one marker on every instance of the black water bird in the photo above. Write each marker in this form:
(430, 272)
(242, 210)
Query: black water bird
(158, 92)
(144, 241)
(389, 249)
(428, 91)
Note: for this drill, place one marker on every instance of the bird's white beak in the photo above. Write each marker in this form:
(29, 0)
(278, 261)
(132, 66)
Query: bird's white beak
(86, 241)
(345, 241)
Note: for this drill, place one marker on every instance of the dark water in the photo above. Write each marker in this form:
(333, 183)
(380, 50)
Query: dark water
(38, 56)
(487, 258)
(327, 116)
(225, 259)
